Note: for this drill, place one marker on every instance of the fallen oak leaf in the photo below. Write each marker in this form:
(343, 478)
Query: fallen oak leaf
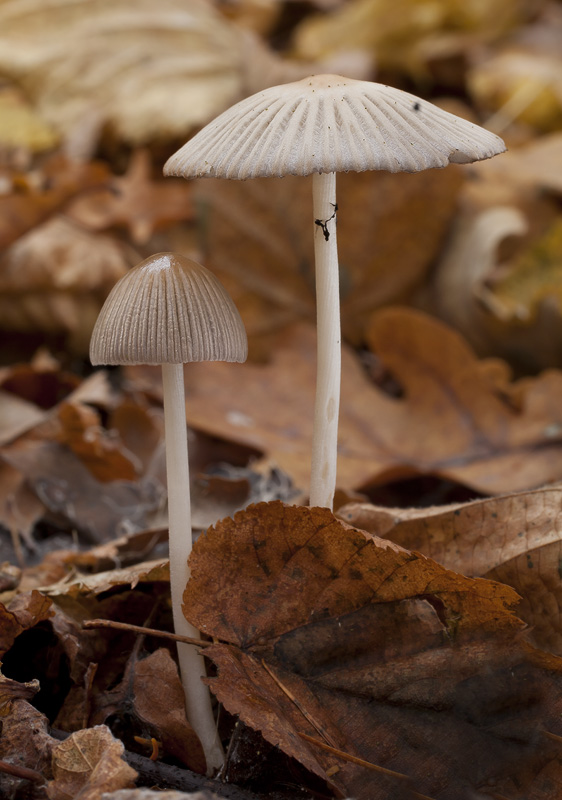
(398, 661)
(454, 414)
(134, 201)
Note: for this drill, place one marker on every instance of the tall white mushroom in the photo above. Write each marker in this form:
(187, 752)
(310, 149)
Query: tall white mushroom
(322, 125)
(170, 310)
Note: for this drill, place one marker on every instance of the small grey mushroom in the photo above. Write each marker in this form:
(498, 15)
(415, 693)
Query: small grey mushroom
(170, 310)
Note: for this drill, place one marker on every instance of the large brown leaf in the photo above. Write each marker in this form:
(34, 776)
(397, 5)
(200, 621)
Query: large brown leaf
(374, 650)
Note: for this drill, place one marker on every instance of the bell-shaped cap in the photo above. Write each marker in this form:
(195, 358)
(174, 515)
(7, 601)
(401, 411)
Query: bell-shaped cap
(327, 123)
(168, 310)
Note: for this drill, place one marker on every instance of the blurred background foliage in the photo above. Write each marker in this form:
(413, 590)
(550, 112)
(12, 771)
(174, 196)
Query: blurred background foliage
(96, 94)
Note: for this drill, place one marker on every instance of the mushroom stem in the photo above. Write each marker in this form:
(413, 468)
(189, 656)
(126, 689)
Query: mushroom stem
(192, 666)
(328, 375)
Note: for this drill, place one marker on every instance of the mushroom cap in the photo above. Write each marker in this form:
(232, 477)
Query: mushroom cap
(168, 310)
(327, 123)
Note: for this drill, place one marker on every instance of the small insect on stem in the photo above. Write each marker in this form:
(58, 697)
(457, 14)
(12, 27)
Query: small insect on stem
(323, 223)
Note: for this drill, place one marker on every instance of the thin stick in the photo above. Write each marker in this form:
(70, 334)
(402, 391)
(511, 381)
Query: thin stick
(124, 626)
(328, 375)
(308, 717)
(362, 763)
(22, 772)
(192, 666)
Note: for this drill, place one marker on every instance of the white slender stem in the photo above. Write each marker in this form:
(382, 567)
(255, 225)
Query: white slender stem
(328, 377)
(192, 666)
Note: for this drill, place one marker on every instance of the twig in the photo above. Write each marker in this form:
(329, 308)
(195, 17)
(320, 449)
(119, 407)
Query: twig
(22, 772)
(124, 626)
(362, 763)
(319, 728)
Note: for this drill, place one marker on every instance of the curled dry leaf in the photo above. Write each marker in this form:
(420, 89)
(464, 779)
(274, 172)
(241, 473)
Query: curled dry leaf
(11, 690)
(512, 308)
(147, 72)
(87, 764)
(456, 417)
(325, 627)
(93, 585)
(25, 611)
(257, 239)
(515, 539)
(55, 279)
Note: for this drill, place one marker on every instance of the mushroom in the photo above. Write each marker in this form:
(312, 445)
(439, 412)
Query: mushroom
(169, 310)
(322, 125)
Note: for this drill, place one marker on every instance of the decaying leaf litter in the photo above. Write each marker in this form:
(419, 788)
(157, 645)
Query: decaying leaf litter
(343, 664)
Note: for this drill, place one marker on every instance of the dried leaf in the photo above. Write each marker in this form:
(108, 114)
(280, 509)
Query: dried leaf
(87, 764)
(17, 416)
(135, 202)
(55, 279)
(146, 572)
(508, 307)
(326, 627)
(25, 611)
(103, 454)
(11, 691)
(25, 742)
(59, 180)
(513, 539)
(538, 162)
(159, 701)
(67, 488)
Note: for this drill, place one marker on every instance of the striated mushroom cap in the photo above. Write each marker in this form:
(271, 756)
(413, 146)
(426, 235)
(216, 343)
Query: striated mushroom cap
(168, 310)
(327, 123)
